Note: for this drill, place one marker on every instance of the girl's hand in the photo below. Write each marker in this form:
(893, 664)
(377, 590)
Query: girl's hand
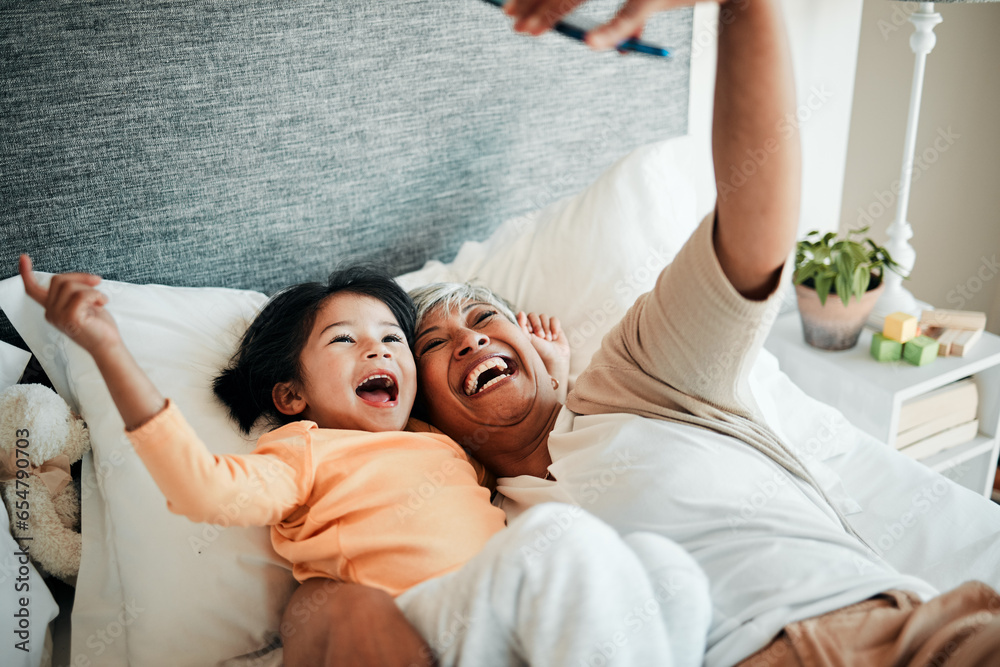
(74, 307)
(550, 342)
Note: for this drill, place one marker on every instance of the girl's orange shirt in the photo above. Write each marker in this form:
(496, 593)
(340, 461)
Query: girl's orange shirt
(388, 509)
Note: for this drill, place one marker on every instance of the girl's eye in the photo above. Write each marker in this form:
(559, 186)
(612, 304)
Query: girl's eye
(392, 338)
(342, 338)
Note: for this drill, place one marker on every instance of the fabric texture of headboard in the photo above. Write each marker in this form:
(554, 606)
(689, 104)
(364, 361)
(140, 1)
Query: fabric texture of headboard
(258, 143)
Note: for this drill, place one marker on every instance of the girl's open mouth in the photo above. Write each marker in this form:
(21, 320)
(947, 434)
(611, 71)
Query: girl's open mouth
(378, 389)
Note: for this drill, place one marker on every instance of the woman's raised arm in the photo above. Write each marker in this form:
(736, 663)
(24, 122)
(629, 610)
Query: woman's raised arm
(756, 149)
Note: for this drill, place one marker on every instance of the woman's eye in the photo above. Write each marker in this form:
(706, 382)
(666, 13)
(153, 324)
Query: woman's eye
(485, 315)
(430, 346)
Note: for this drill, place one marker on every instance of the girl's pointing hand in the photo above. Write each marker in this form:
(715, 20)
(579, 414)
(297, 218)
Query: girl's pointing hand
(73, 306)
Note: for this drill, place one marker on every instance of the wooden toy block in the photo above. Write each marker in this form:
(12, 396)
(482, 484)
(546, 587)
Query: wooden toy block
(901, 327)
(966, 339)
(935, 333)
(921, 350)
(886, 349)
(953, 319)
(945, 341)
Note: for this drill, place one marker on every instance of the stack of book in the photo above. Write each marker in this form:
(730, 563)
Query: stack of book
(939, 420)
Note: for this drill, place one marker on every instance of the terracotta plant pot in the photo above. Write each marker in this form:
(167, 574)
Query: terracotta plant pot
(834, 326)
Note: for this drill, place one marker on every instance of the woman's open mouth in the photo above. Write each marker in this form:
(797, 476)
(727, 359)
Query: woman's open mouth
(378, 389)
(488, 373)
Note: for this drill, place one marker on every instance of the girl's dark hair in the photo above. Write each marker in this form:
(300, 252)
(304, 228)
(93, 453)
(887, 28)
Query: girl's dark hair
(269, 350)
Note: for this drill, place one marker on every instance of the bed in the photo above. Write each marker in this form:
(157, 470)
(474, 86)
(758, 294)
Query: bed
(199, 157)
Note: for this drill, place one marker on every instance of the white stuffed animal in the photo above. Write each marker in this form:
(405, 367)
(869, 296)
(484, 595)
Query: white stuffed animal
(39, 439)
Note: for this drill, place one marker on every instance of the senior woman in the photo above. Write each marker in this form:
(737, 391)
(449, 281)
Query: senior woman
(661, 433)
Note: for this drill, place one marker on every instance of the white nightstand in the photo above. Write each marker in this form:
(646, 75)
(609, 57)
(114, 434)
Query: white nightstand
(870, 393)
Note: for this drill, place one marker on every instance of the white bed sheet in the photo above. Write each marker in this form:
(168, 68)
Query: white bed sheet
(921, 522)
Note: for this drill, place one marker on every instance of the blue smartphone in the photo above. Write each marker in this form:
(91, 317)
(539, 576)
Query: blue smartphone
(577, 27)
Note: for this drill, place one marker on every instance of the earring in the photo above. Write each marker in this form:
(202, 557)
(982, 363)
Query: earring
(555, 383)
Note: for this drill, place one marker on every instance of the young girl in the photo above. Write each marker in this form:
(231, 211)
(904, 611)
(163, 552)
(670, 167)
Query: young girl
(350, 495)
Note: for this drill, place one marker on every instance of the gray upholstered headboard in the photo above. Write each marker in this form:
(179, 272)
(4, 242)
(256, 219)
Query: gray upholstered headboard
(257, 143)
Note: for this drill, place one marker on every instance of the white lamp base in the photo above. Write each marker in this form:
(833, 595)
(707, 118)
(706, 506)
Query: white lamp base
(897, 298)
(895, 301)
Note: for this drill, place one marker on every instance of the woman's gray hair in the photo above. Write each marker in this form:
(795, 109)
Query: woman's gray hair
(456, 295)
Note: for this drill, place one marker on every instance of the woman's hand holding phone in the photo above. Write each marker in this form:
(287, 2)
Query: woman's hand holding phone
(538, 16)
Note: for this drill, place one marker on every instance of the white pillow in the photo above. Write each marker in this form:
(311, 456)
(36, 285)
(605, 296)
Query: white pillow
(13, 361)
(586, 258)
(42, 338)
(193, 594)
(207, 595)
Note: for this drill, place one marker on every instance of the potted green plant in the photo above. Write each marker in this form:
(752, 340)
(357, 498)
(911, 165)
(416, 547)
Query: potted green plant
(850, 267)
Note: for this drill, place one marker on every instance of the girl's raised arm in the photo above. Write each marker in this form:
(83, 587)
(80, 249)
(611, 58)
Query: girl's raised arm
(74, 307)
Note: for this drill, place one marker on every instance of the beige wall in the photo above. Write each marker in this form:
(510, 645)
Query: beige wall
(825, 84)
(955, 202)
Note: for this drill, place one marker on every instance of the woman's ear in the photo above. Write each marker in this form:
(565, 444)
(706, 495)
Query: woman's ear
(287, 399)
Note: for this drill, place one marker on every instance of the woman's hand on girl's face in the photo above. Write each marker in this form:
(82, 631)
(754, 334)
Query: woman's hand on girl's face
(74, 307)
